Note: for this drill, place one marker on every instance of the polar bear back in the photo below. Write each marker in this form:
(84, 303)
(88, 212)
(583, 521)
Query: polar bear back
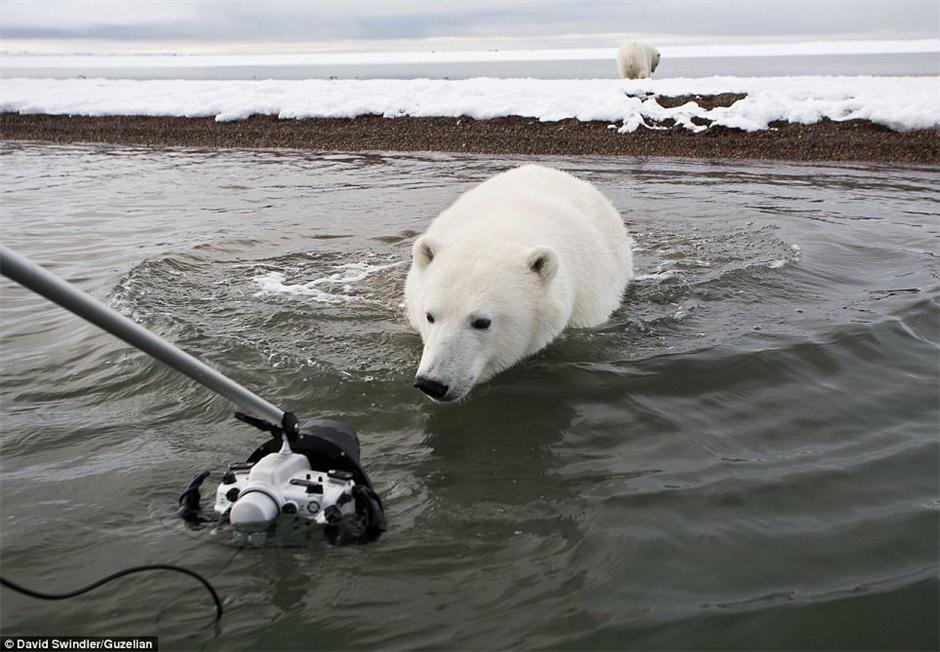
(534, 206)
(637, 60)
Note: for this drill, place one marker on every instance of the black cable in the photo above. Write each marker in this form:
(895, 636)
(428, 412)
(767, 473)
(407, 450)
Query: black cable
(113, 576)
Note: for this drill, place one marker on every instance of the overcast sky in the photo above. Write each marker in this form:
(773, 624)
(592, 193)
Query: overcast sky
(317, 21)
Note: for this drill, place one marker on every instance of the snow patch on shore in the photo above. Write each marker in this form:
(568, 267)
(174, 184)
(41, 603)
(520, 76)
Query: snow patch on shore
(900, 103)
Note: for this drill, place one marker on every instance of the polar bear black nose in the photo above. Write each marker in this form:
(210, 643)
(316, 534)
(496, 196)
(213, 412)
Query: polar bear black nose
(431, 387)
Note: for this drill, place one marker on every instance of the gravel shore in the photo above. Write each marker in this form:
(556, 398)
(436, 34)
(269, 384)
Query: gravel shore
(832, 141)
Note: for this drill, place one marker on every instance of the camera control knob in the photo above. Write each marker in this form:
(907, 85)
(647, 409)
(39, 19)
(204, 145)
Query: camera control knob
(332, 514)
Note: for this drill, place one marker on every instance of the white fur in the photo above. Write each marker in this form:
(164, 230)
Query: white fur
(533, 250)
(637, 60)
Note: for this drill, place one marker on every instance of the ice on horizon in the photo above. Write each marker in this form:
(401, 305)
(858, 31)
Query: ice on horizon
(171, 59)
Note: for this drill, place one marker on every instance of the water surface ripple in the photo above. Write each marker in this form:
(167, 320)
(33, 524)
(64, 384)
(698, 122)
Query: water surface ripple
(744, 457)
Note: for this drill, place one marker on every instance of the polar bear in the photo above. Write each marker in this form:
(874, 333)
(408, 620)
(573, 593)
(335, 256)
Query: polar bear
(499, 274)
(637, 60)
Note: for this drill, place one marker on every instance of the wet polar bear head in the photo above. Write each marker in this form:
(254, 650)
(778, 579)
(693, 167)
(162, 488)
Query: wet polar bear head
(480, 307)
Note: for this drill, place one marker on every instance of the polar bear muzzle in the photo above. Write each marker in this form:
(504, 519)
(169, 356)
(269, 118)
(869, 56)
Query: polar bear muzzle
(431, 387)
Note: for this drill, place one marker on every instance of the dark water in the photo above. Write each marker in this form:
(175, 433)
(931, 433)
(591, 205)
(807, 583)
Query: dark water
(744, 457)
(920, 63)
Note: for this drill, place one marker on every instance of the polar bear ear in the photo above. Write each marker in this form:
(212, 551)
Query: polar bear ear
(424, 250)
(544, 262)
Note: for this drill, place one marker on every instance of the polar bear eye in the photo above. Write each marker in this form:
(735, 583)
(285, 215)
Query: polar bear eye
(480, 324)
(430, 317)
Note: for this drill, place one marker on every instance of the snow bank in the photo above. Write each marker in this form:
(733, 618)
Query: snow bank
(901, 103)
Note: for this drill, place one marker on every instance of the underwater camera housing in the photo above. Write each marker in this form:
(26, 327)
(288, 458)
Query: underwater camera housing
(314, 475)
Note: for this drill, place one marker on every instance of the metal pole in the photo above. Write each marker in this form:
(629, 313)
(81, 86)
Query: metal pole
(37, 279)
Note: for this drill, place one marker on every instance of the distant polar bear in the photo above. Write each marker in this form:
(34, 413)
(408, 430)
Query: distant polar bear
(499, 274)
(637, 60)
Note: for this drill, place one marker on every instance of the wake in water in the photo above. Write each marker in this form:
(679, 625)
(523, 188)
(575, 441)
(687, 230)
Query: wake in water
(318, 309)
(345, 280)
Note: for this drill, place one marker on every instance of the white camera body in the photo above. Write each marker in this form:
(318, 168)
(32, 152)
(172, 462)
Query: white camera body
(254, 495)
